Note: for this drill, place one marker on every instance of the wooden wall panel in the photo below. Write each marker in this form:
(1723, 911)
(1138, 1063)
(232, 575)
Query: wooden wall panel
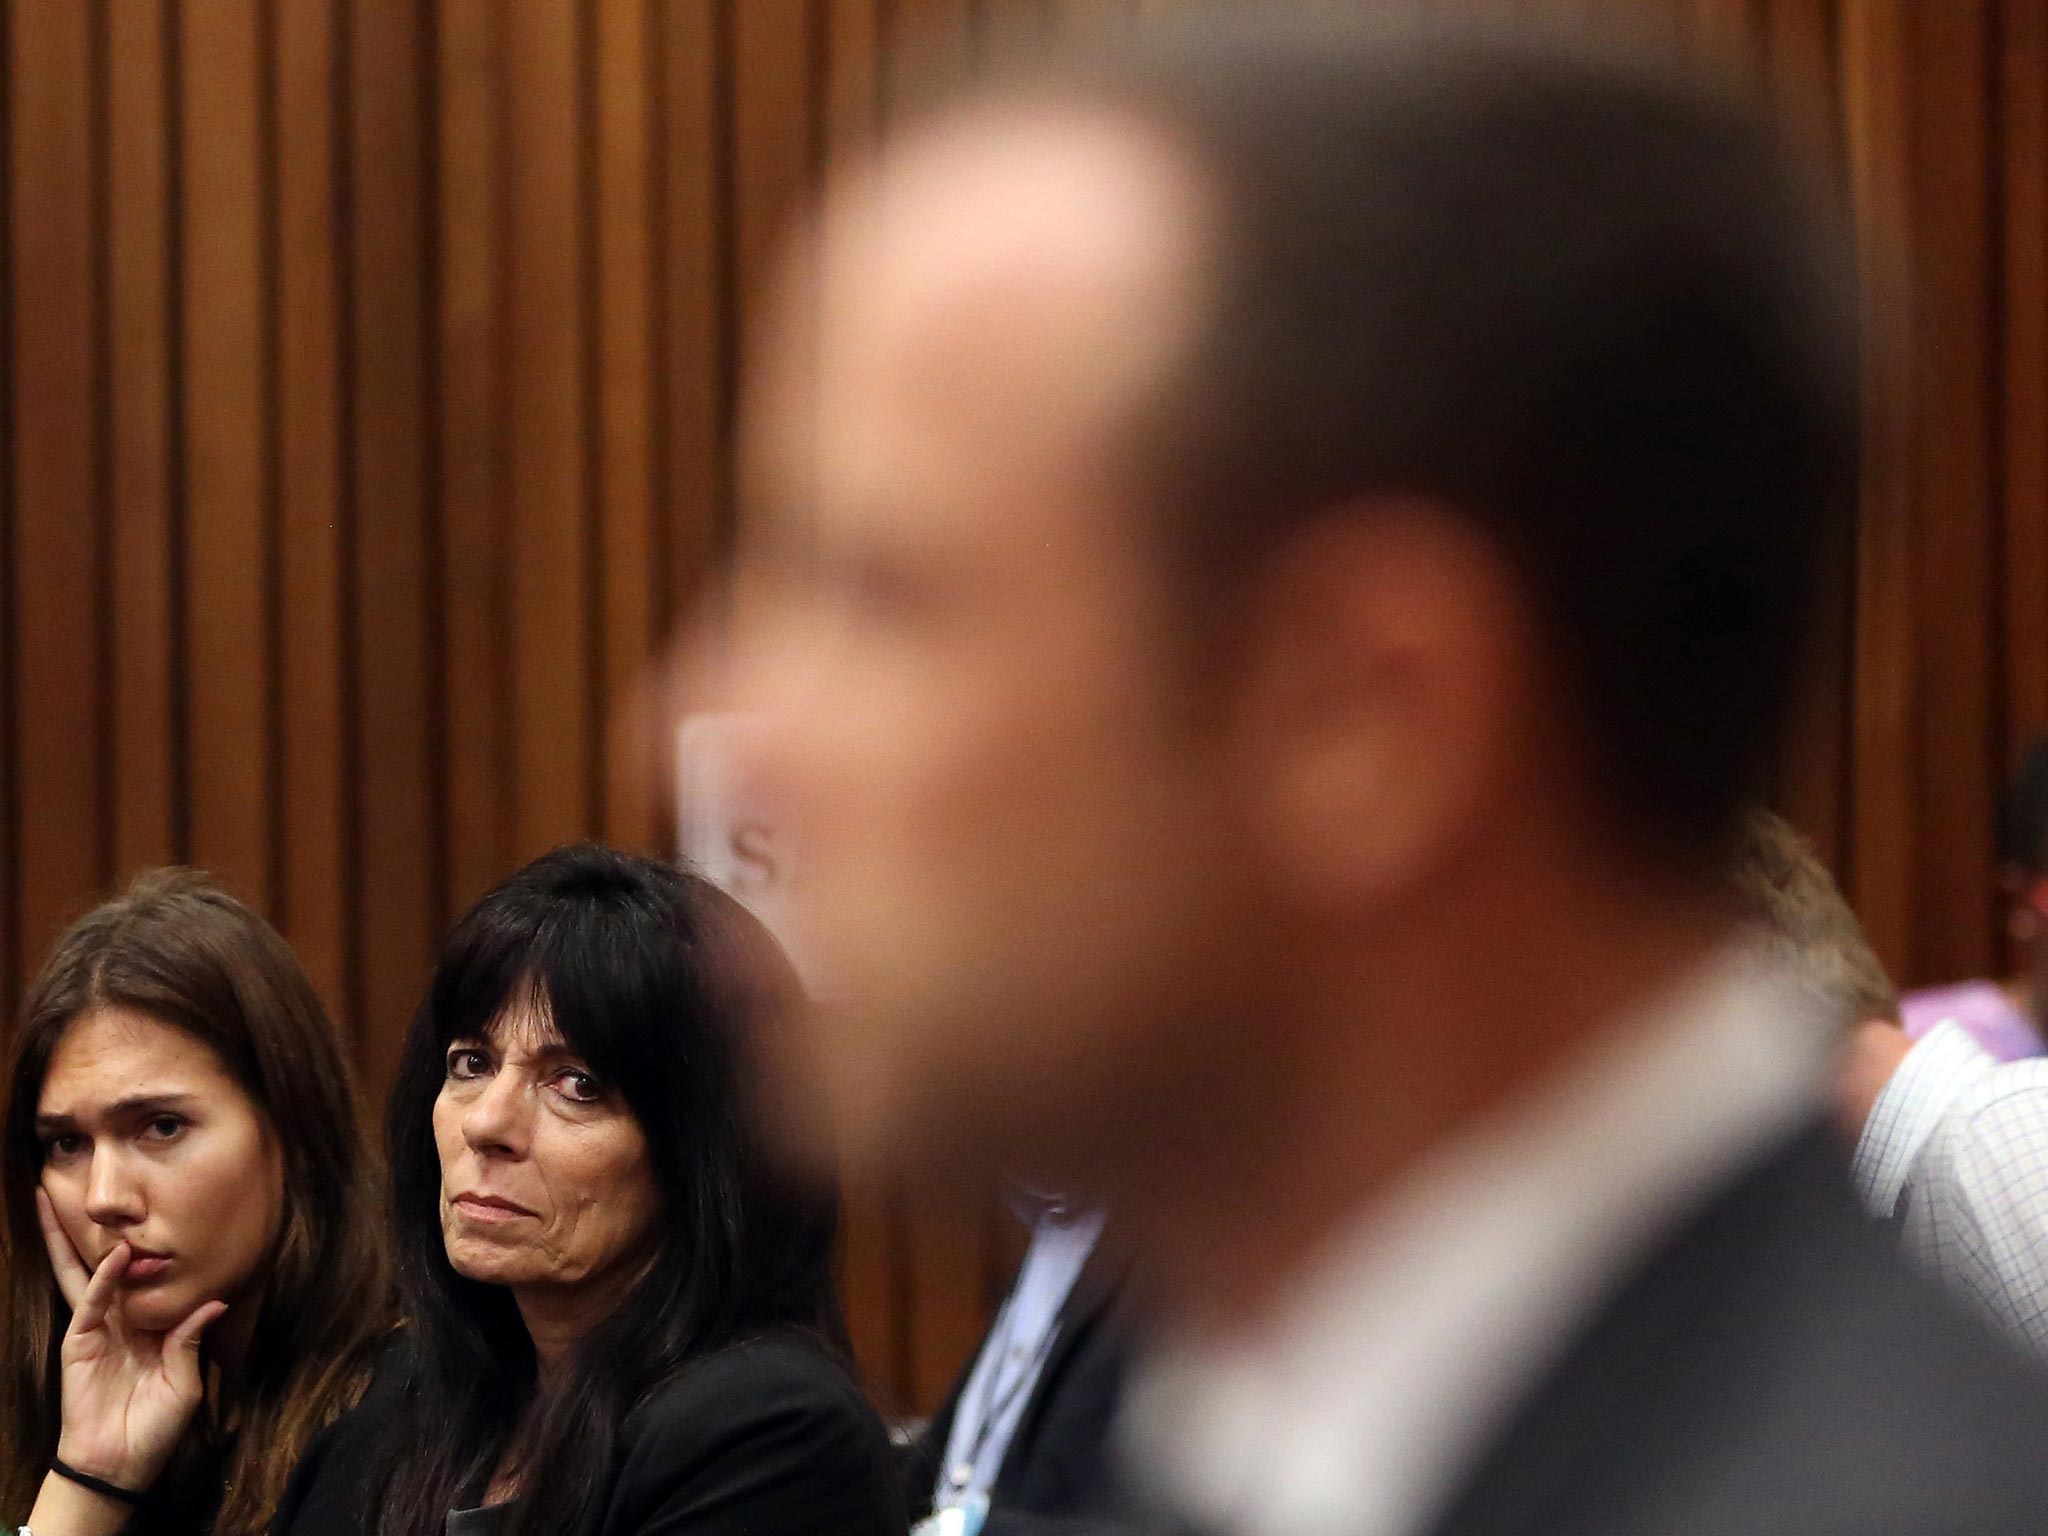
(626, 341)
(1954, 417)
(370, 375)
(2022, 130)
(395, 886)
(774, 139)
(145, 623)
(550, 653)
(310, 882)
(227, 490)
(693, 287)
(1875, 121)
(475, 434)
(58, 505)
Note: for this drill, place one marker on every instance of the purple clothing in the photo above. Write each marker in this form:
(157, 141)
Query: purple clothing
(1980, 1008)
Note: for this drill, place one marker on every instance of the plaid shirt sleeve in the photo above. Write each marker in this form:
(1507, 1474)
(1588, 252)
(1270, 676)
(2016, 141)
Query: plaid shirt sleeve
(1941, 1067)
(1977, 1207)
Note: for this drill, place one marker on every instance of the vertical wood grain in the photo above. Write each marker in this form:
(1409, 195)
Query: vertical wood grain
(627, 346)
(1955, 416)
(393, 723)
(312, 887)
(1880, 868)
(479, 684)
(946, 1293)
(694, 279)
(771, 136)
(2023, 126)
(147, 781)
(226, 487)
(549, 635)
(56, 488)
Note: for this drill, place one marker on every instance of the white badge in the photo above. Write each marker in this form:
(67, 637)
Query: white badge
(962, 1519)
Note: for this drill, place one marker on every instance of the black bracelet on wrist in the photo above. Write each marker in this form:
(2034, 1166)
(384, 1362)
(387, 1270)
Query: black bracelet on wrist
(97, 1484)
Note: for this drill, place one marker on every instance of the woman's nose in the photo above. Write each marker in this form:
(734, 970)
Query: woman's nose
(113, 1196)
(497, 1119)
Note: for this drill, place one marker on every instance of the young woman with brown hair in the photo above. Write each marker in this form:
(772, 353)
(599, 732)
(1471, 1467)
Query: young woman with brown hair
(181, 1140)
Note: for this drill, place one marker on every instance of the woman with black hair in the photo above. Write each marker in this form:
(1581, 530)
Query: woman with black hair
(619, 1310)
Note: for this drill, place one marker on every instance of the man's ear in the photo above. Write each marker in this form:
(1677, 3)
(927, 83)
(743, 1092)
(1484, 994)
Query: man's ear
(1388, 691)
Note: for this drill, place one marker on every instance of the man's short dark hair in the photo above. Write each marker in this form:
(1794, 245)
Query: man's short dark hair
(1574, 297)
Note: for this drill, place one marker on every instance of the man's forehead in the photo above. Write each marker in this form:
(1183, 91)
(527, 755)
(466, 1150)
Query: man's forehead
(1000, 250)
(1023, 190)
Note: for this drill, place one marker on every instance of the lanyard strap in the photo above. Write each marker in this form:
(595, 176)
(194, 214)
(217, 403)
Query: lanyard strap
(992, 1408)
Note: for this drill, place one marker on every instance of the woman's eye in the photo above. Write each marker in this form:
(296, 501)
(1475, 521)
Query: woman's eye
(163, 1128)
(61, 1148)
(579, 1087)
(467, 1064)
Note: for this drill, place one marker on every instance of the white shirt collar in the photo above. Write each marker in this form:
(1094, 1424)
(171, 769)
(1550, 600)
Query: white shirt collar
(1358, 1403)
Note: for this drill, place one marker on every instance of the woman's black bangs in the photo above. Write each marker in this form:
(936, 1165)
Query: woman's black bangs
(478, 980)
(598, 982)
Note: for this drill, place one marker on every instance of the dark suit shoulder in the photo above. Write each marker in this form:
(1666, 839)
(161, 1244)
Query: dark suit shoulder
(1841, 1369)
(1775, 1366)
(1912, 1401)
(766, 1435)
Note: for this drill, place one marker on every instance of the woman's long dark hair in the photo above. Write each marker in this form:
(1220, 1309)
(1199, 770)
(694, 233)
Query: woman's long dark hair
(658, 981)
(180, 950)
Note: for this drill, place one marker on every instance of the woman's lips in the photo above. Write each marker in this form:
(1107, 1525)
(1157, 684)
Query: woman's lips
(489, 1208)
(144, 1268)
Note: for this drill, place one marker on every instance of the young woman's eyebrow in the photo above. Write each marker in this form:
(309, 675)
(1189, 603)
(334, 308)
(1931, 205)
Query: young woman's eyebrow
(152, 1103)
(135, 1105)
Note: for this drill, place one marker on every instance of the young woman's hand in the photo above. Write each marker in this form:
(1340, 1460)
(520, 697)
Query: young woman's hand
(127, 1393)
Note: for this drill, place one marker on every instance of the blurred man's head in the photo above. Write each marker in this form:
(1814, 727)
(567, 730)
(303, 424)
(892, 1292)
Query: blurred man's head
(1221, 500)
